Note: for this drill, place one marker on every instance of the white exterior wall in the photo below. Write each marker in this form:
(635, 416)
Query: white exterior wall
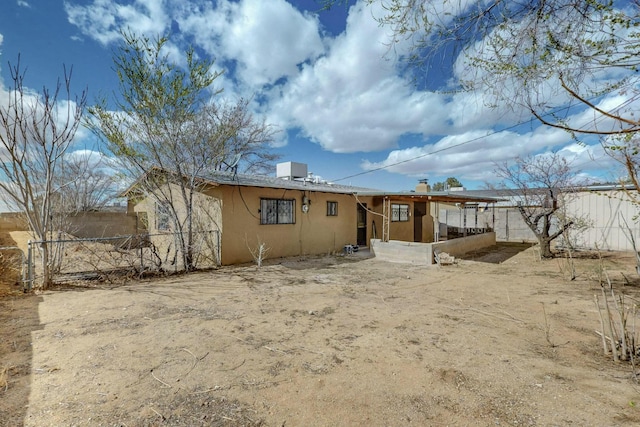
(606, 213)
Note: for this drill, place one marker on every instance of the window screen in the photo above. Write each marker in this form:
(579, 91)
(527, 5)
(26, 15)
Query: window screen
(277, 211)
(399, 212)
(332, 208)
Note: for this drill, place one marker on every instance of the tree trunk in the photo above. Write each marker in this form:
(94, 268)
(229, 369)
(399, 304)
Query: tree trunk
(545, 248)
(46, 268)
(545, 241)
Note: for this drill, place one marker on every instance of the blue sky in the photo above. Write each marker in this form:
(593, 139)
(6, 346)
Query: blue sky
(327, 80)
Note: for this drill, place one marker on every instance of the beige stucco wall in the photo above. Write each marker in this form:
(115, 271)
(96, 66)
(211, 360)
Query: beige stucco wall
(205, 205)
(207, 222)
(237, 216)
(312, 233)
(402, 230)
(427, 226)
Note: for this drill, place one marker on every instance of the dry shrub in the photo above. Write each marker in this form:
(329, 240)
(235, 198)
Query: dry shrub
(10, 268)
(4, 378)
(618, 314)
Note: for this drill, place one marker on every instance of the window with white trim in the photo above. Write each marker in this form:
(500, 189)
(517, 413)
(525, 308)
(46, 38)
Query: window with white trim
(399, 212)
(277, 211)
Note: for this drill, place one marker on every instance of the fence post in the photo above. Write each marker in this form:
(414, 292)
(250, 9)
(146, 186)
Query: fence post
(29, 263)
(219, 251)
(506, 222)
(139, 242)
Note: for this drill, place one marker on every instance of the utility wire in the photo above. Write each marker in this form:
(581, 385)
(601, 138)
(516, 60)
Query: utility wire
(552, 113)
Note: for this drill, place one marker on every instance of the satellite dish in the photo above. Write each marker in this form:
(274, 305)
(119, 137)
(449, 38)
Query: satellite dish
(235, 161)
(233, 165)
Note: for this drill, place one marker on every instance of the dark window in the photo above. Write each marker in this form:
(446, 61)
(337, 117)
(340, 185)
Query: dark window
(277, 211)
(163, 219)
(399, 212)
(332, 208)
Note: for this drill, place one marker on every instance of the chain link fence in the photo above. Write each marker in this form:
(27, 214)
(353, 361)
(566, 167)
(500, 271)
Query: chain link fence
(117, 259)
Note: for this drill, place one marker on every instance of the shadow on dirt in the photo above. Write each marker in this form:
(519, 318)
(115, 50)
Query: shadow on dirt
(497, 253)
(19, 318)
(321, 261)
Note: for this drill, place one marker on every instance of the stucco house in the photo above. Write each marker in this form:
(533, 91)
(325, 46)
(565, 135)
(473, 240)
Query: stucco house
(294, 213)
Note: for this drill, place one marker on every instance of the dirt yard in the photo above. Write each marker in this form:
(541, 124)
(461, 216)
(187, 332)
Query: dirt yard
(496, 339)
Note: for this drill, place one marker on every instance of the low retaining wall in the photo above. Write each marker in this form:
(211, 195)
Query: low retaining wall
(422, 253)
(461, 246)
(398, 251)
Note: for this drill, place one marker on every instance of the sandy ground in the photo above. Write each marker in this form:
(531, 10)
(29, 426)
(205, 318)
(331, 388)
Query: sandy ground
(496, 339)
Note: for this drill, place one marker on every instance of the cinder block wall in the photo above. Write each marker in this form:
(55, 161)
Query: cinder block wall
(81, 225)
(12, 222)
(102, 224)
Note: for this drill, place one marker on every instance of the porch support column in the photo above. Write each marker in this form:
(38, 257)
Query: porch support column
(386, 218)
(436, 223)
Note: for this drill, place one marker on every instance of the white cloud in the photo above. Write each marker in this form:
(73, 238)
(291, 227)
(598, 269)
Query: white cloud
(261, 41)
(351, 99)
(344, 92)
(23, 3)
(268, 40)
(472, 154)
(103, 19)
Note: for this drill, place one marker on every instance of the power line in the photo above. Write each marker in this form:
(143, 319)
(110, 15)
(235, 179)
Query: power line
(433, 152)
(552, 113)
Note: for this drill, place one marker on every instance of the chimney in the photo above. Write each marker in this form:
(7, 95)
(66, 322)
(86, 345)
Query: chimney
(423, 186)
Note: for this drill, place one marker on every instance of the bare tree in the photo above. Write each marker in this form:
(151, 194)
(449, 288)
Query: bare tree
(85, 183)
(36, 130)
(540, 186)
(236, 139)
(169, 130)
